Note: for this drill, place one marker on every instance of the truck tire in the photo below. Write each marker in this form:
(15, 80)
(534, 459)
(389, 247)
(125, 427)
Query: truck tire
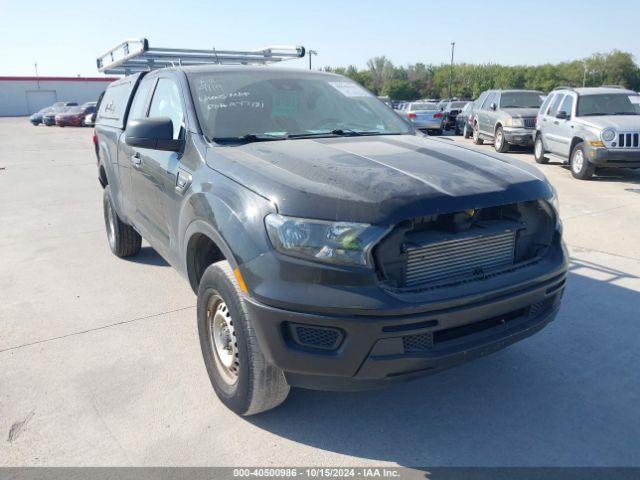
(124, 241)
(500, 143)
(476, 135)
(466, 131)
(538, 151)
(580, 166)
(237, 369)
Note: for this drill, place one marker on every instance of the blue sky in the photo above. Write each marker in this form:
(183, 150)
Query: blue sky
(64, 37)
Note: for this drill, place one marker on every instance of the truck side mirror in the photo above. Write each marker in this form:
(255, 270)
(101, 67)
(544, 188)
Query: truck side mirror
(154, 133)
(562, 115)
(493, 106)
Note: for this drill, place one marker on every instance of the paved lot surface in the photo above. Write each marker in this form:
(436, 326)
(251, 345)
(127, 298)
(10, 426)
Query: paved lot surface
(100, 363)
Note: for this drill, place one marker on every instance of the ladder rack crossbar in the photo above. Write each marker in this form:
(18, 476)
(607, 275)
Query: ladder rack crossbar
(135, 55)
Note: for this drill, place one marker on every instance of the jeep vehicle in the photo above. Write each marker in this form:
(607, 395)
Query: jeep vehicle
(330, 245)
(589, 128)
(507, 117)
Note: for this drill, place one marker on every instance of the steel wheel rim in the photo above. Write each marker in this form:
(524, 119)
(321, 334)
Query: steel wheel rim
(111, 225)
(222, 338)
(578, 161)
(499, 139)
(538, 148)
(475, 133)
(464, 131)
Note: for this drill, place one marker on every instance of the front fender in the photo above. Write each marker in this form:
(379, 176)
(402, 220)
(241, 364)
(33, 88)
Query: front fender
(229, 214)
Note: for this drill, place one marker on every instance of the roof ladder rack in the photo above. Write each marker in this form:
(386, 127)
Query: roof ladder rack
(135, 55)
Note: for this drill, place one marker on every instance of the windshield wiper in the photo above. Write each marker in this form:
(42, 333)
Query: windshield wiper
(249, 138)
(340, 132)
(625, 113)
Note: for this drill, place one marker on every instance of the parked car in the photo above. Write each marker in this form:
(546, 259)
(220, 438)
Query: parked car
(36, 118)
(330, 245)
(589, 128)
(75, 116)
(49, 118)
(507, 117)
(464, 121)
(425, 116)
(450, 113)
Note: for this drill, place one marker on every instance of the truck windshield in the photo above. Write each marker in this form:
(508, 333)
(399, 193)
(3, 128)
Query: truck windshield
(608, 104)
(521, 100)
(287, 104)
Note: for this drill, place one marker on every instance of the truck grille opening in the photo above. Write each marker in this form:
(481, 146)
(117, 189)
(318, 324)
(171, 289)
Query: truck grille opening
(446, 249)
(426, 341)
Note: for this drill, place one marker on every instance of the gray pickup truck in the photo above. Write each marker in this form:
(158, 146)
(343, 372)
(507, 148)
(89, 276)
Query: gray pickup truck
(507, 117)
(331, 246)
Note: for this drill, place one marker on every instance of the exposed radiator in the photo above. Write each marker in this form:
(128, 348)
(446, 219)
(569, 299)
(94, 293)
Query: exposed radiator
(457, 259)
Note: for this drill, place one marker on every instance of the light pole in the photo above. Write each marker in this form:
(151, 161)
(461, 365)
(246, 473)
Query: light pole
(584, 74)
(453, 46)
(311, 52)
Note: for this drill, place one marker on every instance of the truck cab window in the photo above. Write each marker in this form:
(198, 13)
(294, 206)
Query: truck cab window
(166, 103)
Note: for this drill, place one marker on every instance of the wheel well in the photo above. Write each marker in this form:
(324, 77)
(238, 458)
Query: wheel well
(102, 177)
(574, 142)
(498, 125)
(201, 252)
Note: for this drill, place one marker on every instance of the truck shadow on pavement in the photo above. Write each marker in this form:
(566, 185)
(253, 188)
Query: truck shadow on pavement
(566, 396)
(148, 256)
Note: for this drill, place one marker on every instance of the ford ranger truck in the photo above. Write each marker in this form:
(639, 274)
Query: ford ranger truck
(331, 246)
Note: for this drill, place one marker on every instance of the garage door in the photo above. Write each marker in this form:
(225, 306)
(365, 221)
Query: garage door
(38, 99)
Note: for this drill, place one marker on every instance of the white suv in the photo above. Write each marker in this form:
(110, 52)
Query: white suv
(589, 128)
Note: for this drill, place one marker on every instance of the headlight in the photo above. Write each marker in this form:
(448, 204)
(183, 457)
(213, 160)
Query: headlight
(514, 122)
(608, 135)
(340, 243)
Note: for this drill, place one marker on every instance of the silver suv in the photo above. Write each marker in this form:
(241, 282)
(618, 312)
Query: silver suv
(506, 117)
(589, 128)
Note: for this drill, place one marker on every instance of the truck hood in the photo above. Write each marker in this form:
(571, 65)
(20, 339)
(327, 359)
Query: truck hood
(620, 123)
(377, 179)
(521, 112)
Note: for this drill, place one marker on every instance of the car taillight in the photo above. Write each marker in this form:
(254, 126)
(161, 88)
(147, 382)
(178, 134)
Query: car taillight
(437, 115)
(411, 115)
(470, 118)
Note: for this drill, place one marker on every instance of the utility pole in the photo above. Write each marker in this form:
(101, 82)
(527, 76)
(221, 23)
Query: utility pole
(453, 46)
(35, 64)
(311, 52)
(584, 74)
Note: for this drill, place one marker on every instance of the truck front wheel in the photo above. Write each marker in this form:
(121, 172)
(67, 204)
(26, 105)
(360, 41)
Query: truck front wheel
(239, 374)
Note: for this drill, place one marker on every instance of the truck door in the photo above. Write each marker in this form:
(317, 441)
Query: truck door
(153, 176)
(138, 110)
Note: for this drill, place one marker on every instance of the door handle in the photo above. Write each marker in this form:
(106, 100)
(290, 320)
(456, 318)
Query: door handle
(556, 123)
(136, 160)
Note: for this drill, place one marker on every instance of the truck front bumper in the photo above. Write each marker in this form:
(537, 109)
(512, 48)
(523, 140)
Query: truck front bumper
(614, 158)
(354, 352)
(519, 136)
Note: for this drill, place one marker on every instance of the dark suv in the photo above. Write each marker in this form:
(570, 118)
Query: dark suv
(330, 245)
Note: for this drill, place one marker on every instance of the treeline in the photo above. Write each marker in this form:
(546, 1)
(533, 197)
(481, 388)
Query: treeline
(432, 81)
